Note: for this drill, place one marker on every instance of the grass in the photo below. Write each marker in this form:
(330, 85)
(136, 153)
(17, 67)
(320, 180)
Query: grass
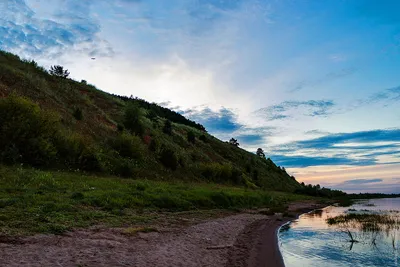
(366, 222)
(33, 201)
(368, 228)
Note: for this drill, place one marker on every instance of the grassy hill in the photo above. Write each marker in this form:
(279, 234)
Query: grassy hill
(73, 156)
(68, 125)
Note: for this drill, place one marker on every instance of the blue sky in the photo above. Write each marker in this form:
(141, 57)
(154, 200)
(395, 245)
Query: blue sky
(314, 83)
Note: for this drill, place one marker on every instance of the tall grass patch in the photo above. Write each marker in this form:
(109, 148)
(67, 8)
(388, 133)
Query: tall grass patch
(33, 201)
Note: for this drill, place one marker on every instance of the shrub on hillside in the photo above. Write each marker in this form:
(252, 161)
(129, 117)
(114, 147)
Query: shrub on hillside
(125, 168)
(203, 138)
(111, 162)
(133, 119)
(88, 161)
(169, 159)
(154, 145)
(128, 146)
(151, 115)
(76, 152)
(255, 175)
(35, 137)
(120, 127)
(70, 147)
(191, 137)
(78, 115)
(221, 173)
(167, 129)
(26, 132)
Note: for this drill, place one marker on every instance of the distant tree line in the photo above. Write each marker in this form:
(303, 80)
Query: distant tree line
(372, 195)
(317, 191)
(157, 110)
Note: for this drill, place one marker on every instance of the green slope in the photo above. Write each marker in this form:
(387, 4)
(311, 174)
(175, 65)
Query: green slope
(33, 201)
(56, 123)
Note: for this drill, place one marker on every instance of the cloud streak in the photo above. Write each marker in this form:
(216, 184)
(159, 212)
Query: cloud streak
(307, 161)
(284, 110)
(357, 148)
(329, 77)
(329, 141)
(361, 181)
(220, 121)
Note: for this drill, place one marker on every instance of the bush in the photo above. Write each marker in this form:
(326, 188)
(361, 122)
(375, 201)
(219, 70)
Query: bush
(128, 146)
(203, 138)
(191, 137)
(132, 119)
(88, 161)
(221, 173)
(120, 128)
(73, 151)
(26, 132)
(167, 129)
(125, 168)
(78, 115)
(154, 145)
(169, 159)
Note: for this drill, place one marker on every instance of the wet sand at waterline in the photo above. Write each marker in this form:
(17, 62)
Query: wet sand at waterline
(246, 239)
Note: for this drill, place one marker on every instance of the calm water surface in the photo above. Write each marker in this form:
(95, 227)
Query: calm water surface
(310, 241)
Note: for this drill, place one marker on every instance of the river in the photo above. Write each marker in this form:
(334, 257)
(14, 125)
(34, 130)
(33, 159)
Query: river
(366, 234)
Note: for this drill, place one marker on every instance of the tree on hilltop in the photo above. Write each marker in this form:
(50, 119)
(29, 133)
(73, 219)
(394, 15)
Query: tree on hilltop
(234, 142)
(260, 153)
(59, 71)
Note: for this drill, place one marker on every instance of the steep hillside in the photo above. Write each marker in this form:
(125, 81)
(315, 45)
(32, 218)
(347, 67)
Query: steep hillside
(57, 123)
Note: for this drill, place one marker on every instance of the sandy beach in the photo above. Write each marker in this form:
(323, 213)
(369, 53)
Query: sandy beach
(245, 239)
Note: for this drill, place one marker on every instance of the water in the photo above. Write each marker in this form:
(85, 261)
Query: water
(310, 241)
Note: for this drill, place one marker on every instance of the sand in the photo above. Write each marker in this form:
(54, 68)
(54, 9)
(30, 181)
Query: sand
(246, 239)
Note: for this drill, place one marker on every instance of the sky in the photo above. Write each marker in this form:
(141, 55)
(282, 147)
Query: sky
(316, 84)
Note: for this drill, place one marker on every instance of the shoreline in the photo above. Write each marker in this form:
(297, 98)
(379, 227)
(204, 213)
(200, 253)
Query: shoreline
(259, 245)
(306, 211)
(242, 239)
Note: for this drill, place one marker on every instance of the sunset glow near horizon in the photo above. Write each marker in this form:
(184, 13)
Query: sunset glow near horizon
(316, 84)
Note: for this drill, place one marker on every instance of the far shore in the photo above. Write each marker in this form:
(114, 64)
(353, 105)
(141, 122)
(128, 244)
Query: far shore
(245, 239)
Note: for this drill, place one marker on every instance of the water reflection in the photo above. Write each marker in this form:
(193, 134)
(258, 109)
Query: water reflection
(366, 226)
(365, 234)
(316, 213)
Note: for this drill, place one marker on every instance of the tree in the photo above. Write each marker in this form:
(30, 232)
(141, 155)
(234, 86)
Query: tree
(132, 119)
(59, 71)
(151, 114)
(203, 138)
(260, 153)
(78, 115)
(167, 129)
(191, 137)
(169, 159)
(234, 142)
